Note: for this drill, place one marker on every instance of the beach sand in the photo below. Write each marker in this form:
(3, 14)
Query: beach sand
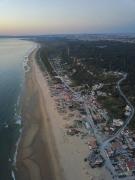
(37, 157)
(45, 151)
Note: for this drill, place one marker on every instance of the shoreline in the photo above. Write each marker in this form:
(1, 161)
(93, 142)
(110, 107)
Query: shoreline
(18, 113)
(30, 163)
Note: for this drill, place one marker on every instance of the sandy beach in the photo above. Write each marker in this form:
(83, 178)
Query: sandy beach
(37, 157)
(45, 151)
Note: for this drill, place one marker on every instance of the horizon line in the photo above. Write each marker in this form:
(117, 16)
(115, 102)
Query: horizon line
(64, 34)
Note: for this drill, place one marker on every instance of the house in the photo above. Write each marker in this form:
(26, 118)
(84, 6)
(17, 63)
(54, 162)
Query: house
(130, 165)
(127, 108)
(117, 122)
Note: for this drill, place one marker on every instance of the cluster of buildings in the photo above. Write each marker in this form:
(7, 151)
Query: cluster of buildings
(121, 153)
(101, 119)
(95, 159)
(69, 104)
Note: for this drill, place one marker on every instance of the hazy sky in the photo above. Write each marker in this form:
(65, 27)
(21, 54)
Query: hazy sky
(66, 16)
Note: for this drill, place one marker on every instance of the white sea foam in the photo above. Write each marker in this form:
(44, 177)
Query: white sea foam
(18, 122)
(17, 145)
(26, 67)
(13, 175)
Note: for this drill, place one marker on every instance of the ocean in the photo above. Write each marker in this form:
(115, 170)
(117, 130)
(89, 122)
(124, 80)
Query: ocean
(13, 53)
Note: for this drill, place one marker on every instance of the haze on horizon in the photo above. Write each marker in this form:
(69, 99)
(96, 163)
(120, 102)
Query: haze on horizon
(34, 17)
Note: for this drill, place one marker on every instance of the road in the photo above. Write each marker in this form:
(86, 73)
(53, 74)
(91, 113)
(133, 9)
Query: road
(104, 144)
(129, 118)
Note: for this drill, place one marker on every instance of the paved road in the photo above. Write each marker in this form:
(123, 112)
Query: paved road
(90, 121)
(129, 118)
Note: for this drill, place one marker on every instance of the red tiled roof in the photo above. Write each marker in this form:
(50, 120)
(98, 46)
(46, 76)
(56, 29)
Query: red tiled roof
(131, 165)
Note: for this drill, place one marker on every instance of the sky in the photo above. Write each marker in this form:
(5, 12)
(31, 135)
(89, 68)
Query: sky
(36, 17)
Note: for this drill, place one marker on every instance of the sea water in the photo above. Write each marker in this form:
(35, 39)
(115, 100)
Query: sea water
(13, 53)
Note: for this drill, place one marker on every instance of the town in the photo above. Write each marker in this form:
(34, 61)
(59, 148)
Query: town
(111, 143)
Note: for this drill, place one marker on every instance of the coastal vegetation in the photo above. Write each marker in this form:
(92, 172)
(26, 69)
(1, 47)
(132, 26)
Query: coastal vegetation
(87, 63)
